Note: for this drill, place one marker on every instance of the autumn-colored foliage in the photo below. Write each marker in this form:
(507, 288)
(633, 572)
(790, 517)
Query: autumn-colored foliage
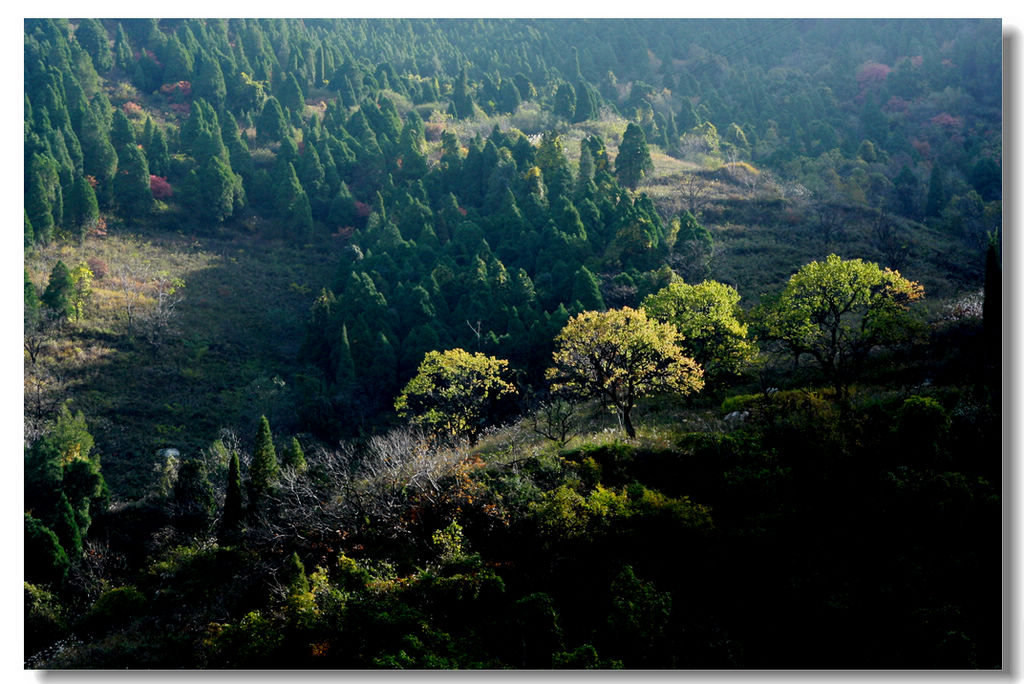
(160, 188)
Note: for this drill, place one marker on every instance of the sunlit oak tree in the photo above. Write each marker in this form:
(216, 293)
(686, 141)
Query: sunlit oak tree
(838, 310)
(620, 356)
(454, 392)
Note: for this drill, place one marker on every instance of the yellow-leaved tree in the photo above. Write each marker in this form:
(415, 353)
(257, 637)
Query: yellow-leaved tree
(838, 310)
(620, 356)
(454, 393)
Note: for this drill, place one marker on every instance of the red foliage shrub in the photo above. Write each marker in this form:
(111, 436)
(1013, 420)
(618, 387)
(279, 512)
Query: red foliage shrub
(871, 73)
(946, 119)
(132, 110)
(160, 188)
(922, 147)
(183, 88)
(917, 60)
(362, 209)
(91, 180)
(896, 104)
(98, 266)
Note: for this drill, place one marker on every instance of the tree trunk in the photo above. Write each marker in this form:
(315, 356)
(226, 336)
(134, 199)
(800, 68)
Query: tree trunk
(627, 423)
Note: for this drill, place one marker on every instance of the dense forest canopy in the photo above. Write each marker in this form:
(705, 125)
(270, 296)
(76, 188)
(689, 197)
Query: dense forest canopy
(363, 339)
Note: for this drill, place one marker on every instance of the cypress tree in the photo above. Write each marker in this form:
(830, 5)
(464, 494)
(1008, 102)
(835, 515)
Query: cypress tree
(231, 517)
(193, 495)
(131, 186)
(93, 38)
(66, 528)
(586, 291)
(295, 575)
(936, 200)
(156, 153)
(123, 58)
(271, 125)
(82, 208)
(264, 468)
(209, 83)
(30, 234)
(634, 159)
(59, 290)
(294, 457)
(121, 133)
(46, 562)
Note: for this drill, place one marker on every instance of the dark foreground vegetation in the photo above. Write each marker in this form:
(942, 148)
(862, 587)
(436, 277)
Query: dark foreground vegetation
(512, 344)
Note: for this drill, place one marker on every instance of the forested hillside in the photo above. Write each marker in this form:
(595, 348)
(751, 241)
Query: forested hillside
(512, 343)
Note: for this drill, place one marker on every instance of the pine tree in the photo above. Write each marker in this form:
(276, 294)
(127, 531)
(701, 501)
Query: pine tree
(231, 517)
(264, 469)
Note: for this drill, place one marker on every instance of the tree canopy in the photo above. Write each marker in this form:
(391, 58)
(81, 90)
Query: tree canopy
(454, 391)
(619, 356)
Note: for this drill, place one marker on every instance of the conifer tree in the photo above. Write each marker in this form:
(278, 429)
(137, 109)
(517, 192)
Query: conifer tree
(59, 290)
(123, 58)
(121, 133)
(209, 83)
(586, 290)
(66, 528)
(231, 517)
(264, 469)
(193, 495)
(936, 200)
(93, 38)
(131, 185)
(294, 458)
(271, 125)
(634, 159)
(295, 575)
(82, 209)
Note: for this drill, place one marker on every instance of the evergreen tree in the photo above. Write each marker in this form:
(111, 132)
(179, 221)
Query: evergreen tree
(46, 562)
(123, 57)
(93, 38)
(121, 133)
(193, 496)
(293, 457)
(271, 125)
(231, 517)
(634, 159)
(66, 528)
(59, 291)
(586, 291)
(291, 96)
(209, 83)
(131, 186)
(82, 209)
(156, 153)
(295, 576)
(264, 468)
(936, 200)
(565, 101)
